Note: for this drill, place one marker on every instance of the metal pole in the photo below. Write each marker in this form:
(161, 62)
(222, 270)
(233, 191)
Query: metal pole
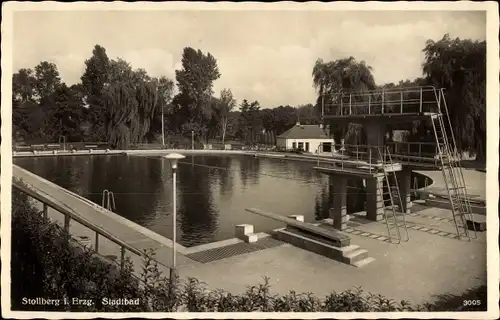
(192, 139)
(350, 103)
(341, 103)
(382, 101)
(96, 242)
(369, 103)
(162, 126)
(162, 114)
(401, 101)
(174, 217)
(45, 211)
(322, 106)
(420, 99)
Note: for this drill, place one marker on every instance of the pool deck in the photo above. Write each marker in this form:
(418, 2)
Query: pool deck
(475, 182)
(429, 264)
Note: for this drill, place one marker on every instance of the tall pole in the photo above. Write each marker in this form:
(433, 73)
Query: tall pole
(174, 158)
(192, 139)
(162, 114)
(174, 218)
(162, 126)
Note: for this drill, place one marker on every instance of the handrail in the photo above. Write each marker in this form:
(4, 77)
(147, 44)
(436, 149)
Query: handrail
(429, 87)
(25, 187)
(110, 203)
(382, 101)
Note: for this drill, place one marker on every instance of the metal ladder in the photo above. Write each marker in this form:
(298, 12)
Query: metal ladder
(453, 178)
(461, 181)
(108, 200)
(391, 218)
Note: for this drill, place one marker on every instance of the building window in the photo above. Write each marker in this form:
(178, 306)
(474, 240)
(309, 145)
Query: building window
(307, 146)
(294, 145)
(327, 147)
(301, 145)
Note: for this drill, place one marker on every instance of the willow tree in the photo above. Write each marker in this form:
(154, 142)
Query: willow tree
(131, 105)
(332, 79)
(459, 66)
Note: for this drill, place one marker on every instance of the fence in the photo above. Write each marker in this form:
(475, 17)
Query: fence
(69, 216)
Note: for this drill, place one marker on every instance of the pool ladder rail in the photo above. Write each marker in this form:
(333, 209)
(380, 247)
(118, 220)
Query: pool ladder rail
(108, 200)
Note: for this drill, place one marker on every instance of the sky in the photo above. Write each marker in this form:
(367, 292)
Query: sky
(262, 55)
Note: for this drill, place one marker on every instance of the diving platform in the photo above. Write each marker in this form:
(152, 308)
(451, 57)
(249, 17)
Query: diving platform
(360, 172)
(383, 105)
(375, 110)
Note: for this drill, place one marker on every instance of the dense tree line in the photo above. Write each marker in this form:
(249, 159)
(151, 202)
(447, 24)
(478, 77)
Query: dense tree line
(115, 103)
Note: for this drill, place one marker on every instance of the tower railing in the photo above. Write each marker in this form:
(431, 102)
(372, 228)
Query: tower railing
(411, 100)
(371, 159)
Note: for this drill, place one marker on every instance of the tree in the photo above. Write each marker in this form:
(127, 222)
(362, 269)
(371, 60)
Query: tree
(95, 77)
(47, 82)
(66, 114)
(459, 66)
(195, 82)
(308, 114)
(250, 123)
(33, 100)
(23, 86)
(226, 105)
(334, 78)
(23, 103)
(164, 95)
(130, 105)
(282, 119)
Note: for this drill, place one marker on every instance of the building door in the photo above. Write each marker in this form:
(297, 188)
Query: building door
(301, 145)
(307, 146)
(294, 145)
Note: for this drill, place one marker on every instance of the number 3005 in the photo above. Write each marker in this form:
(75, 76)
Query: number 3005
(472, 302)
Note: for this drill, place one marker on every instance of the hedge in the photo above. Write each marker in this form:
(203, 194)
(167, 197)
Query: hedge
(44, 264)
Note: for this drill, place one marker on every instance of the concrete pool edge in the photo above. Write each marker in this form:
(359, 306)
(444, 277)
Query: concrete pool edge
(124, 221)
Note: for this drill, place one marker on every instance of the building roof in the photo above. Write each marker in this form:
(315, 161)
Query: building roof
(305, 132)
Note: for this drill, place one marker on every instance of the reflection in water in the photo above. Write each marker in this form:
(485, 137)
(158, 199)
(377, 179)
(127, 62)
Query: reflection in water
(210, 201)
(249, 172)
(198, 217)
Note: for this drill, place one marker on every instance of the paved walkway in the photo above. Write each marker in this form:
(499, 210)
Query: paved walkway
(126, 230)
(475, 182)
(427, 265)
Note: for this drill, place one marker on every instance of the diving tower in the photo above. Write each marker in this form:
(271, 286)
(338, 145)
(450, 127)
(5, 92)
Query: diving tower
(387, 166)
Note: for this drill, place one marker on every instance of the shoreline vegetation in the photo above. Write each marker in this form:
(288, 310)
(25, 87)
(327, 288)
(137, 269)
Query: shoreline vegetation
(45, 265)
(122, 105)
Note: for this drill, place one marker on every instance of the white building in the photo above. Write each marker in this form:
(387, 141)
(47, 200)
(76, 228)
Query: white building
(309, 138)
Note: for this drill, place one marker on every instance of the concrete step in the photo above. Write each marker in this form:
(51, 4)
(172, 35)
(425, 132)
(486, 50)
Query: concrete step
(250, 237)
(349, 248)
(354, 256)
(363, 262)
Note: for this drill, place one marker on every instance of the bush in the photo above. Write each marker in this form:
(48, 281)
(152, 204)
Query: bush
(45, 264)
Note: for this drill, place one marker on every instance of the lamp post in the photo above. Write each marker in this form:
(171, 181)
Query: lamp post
(174, 158)
(192, 139)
